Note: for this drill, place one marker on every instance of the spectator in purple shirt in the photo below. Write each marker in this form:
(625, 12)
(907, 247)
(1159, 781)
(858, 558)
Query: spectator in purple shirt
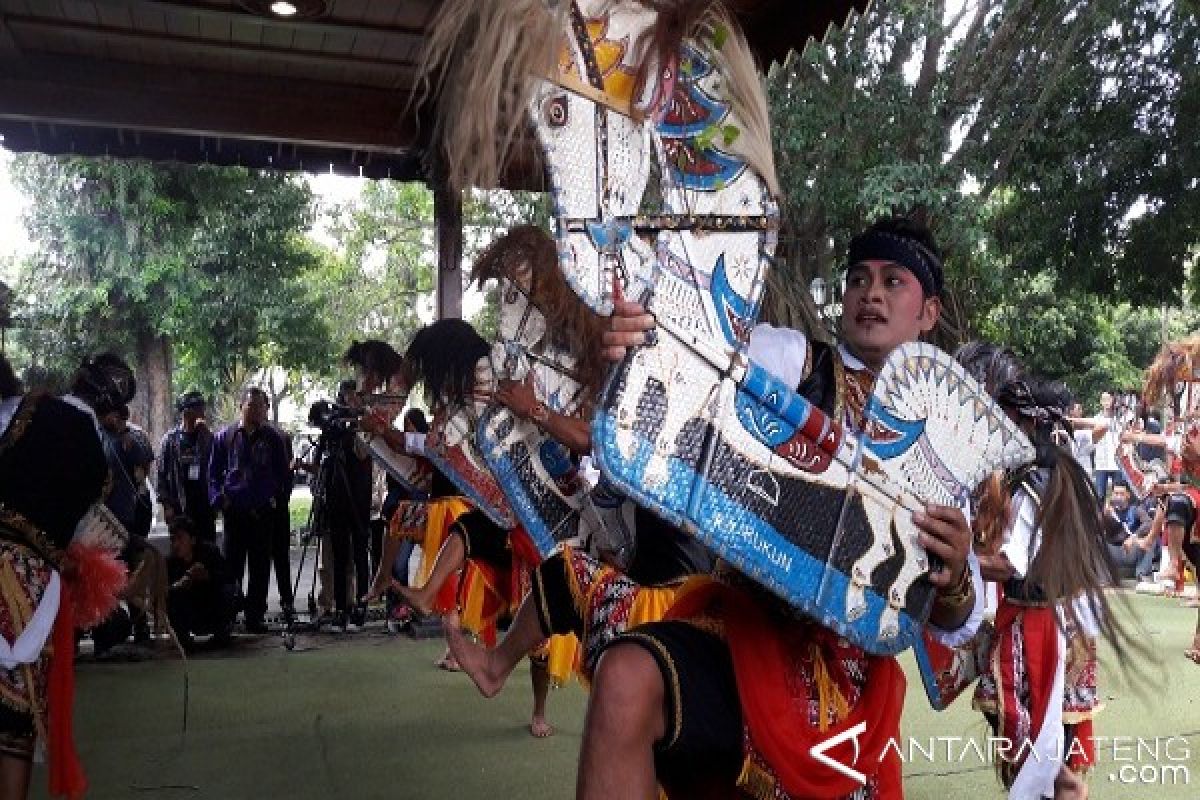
(249, 472)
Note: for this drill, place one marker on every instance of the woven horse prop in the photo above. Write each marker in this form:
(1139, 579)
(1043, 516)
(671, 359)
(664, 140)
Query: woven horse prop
(1140, 473)
(689, 427)
(545, 337)
(1173, 379)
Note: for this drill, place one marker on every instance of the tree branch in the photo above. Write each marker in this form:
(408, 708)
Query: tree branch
(967, 51)
(1002, 42)
(1057, 71)
(902, 50)
(935, 37)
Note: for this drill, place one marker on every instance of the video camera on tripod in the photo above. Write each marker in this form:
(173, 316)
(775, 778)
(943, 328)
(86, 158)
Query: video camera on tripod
(334, 419)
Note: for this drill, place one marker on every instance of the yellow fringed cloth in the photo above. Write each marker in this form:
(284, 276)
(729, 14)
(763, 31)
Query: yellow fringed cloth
(576, 593)
(440, 515)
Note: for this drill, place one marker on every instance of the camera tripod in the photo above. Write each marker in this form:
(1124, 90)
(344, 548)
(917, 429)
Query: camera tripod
(330, 472)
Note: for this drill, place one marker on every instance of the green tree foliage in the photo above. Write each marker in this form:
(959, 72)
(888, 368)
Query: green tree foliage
(200, 266)
(382, 268)
(382, 278)
(1051, 145)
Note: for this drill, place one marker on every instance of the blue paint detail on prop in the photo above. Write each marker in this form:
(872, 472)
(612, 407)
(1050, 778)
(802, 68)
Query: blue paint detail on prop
(694, 68)
(748, 542)
(470, 492)
(556, 459)
(507, 476)
(910, 431)
(761, 423)
(777, 396)
(609, 236)
(929, 676)
(728, 302)
(728, 168)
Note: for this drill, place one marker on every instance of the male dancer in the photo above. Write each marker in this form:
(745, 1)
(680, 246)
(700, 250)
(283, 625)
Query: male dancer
(735, 688)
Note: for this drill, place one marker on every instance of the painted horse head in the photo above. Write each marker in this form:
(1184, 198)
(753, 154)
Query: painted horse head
(622, 96)
(538, 310)
(550, 339)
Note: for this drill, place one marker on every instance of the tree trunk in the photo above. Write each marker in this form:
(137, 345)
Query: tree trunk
(153, 404)
(275, 395)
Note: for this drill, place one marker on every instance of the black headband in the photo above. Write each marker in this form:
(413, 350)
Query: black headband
(907, 252)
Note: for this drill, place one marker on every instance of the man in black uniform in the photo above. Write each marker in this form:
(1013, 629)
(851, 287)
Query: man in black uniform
(183, 468)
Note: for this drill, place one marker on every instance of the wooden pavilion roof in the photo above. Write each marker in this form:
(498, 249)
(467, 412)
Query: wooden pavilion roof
(228, 82)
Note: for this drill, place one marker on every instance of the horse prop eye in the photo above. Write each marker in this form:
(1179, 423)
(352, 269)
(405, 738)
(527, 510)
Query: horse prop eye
(511, 296)
(555, 111)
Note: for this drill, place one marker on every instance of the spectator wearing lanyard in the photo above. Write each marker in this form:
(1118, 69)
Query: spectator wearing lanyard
(183, 468)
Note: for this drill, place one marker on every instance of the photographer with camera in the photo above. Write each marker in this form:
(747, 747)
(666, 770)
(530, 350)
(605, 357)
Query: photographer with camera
(342, 499)
(249, 475)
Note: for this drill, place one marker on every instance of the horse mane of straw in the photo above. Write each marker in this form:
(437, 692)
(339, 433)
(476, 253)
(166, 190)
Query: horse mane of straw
(1176, 360)
(746, 94)
(483, 56)
(570, 324)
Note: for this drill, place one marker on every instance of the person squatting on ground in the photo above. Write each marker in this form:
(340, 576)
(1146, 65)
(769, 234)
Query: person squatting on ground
(1177, 515)
(1129, 533)
(249, 474)
(183, 458)
(201, 594)
(52, 471)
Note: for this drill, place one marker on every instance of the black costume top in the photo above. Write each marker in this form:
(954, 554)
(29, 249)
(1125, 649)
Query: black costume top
(52, 470)
(202, 553)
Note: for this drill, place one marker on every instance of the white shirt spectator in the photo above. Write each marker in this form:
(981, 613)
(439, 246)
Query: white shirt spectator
(1106, 448)
(1085, 449)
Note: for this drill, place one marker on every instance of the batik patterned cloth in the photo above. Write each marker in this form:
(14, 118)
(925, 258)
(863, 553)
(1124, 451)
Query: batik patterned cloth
(24, 577)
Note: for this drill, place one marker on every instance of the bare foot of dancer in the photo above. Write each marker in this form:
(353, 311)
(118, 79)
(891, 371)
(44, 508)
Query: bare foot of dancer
(420, 600)
(447, 662)
(1193, 654)
(477, 661)
(540, 729)
(378, 589)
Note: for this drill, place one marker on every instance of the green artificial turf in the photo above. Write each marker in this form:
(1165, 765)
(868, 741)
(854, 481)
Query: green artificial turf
(368, 716)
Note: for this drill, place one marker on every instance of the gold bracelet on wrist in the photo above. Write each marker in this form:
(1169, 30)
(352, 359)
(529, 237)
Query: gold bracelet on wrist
(958, 595)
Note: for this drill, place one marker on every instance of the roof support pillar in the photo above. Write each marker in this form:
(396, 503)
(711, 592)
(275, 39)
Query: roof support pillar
(448, 218)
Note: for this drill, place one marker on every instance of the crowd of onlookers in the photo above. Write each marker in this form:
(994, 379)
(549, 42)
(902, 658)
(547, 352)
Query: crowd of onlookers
(1129, 520)
(235, 481)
